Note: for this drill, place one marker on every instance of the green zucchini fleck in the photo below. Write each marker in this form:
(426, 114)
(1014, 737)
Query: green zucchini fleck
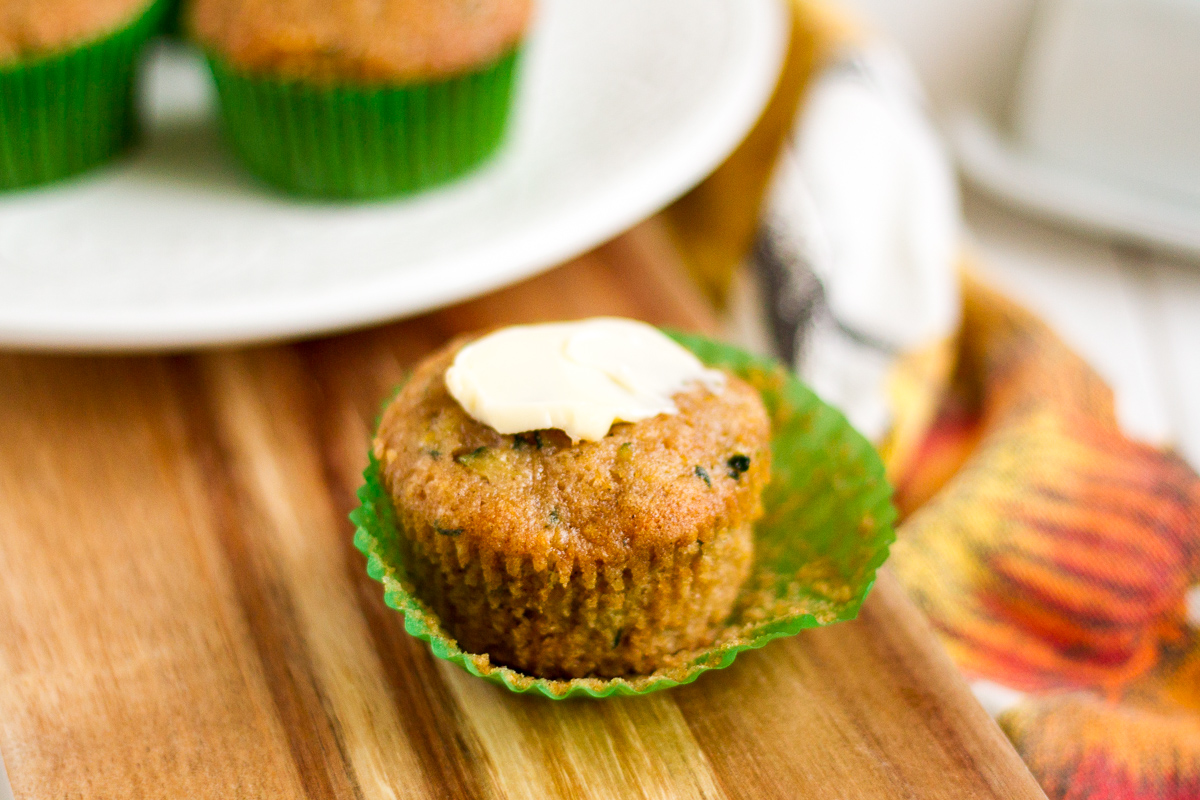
(466, 458)
(738, 466)
(523, 440)
(703, 475)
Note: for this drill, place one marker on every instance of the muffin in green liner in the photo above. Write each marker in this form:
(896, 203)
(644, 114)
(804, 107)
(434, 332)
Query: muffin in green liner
(66, 111)
(365, 141)
(827, 529)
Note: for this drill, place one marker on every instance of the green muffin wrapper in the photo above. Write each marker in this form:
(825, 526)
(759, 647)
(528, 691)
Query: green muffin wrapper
(65, 112)
(368, 141)
(827, 528)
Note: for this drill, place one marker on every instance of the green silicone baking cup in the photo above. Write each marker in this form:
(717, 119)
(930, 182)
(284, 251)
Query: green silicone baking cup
(364, 142)
(66, 112)
(827, 529)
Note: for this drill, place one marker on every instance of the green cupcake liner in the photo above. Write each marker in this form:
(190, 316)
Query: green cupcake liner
(64, 113)
(828, 527)
(363, 142)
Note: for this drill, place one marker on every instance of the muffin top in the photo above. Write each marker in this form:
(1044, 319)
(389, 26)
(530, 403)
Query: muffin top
(671, 479)
(32, 27)
(367, 41)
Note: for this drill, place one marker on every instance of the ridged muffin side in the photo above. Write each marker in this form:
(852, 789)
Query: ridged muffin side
(595, 559)
(68, 71)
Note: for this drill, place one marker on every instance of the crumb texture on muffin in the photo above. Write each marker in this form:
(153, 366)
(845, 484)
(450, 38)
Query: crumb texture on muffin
(600, 558)
(387, 41)
(33, 27)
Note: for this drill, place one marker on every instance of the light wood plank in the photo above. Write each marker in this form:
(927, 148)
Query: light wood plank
(258, 400)
(126, 666)
(819, 719)
(628, 747)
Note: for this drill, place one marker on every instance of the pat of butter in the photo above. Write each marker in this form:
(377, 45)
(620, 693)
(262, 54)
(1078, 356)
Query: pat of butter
(579, 377)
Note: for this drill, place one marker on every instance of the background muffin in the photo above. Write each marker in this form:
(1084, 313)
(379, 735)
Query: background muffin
(569, 560)
(358, 100)
(67, 74)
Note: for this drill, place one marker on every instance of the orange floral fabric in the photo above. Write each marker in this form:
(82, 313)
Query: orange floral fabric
(1054, 556)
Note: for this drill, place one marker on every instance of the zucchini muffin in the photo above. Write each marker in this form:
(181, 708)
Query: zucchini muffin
(571, 559)
(67, 77)
(359, 100)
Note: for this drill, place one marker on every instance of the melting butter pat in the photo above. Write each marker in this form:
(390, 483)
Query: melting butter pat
(579, 377)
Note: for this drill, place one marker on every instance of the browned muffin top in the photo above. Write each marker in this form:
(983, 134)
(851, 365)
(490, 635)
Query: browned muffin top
(371, 41)
(32, 27)
(663, 481)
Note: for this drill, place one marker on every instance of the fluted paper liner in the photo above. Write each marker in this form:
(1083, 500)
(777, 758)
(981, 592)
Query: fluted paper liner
(66, 112)
(827, 529)
(364, 141)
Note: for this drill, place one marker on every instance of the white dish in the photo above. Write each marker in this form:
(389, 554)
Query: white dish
(625, 104)
(1071, 195)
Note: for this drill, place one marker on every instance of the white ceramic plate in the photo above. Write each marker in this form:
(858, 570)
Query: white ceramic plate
(1084, 201)
(625, 104)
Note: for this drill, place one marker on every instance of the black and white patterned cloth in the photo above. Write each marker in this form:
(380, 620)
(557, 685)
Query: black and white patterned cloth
(858, 249)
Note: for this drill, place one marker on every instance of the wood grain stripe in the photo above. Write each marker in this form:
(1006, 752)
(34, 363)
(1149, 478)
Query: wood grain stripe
(823, 722)
(126, 668)
(348, 392)
(264, 597)
(274, 462)
(617, 748)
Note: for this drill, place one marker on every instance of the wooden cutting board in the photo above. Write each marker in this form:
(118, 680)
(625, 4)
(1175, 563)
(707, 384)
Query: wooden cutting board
(182, 612)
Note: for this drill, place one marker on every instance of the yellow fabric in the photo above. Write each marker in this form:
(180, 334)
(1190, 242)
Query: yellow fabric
(915, 390)
(714, 224)
(1054, 556)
